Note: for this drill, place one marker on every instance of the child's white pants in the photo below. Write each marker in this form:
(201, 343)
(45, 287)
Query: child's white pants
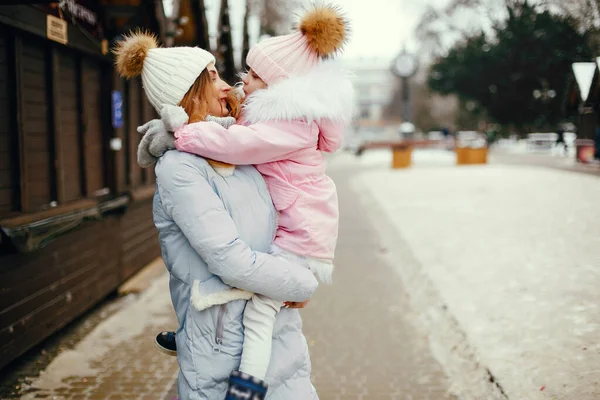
(259, 319)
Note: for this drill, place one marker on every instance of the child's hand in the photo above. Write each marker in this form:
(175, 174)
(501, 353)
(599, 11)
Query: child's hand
(174, 117)
(295, 304)
(155, 142)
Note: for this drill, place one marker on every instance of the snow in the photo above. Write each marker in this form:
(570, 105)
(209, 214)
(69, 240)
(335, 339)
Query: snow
(514, 253)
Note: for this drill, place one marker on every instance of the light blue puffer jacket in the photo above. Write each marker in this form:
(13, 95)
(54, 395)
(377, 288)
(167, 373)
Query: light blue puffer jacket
(212, 231)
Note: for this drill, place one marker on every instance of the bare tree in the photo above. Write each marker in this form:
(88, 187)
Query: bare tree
(276, 17)
(201, 24)
(586, 13)
(440, 28)
(225, 45)
(245, 34)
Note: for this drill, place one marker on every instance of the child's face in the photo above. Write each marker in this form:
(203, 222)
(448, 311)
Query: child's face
(252, 83)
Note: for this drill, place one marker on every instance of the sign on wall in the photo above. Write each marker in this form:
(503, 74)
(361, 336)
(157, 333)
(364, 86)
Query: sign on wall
(86, 14)
(56, 29)
(117, 109)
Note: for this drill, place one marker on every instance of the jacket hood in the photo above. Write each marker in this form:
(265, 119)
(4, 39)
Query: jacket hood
(325, 92)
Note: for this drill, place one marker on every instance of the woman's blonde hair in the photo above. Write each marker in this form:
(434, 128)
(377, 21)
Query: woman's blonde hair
(195, 104)
(195, 101)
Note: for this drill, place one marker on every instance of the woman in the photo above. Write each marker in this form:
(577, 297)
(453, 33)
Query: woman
(212, 230)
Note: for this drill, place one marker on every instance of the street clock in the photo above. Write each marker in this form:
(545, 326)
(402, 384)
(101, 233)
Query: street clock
(405, 65)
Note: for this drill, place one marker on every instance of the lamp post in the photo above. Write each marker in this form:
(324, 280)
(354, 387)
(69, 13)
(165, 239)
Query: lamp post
(405, 66)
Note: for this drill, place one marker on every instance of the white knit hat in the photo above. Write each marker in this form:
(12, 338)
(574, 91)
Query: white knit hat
(167, 73)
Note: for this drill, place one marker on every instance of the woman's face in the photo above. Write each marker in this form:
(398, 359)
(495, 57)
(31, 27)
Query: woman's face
(252, 82)
(217, 106)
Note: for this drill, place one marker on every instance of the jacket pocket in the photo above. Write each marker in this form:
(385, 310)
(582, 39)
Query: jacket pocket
(283, 194)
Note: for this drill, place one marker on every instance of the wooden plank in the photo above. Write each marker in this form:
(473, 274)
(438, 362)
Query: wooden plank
(37, 144)
(38, 161)
(5, 195)
(94, 149)
(39, 190)
(140, 239)
(34, 79)
(55, 125)
(10, 120)
(61, 209)
(38, 202)
(133, 261)
(38, 325)
(6, 179)
(18, 67)
(5, 161)
(32, 55)
(5, 210)
(81, 128)
(39, 175)
(36, 127)
(36, 111)
(134, 117)
(33, 295)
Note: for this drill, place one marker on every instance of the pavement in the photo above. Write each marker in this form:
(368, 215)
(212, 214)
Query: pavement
(554, 160)
(117, 359)
(470, 283)
(365, 340)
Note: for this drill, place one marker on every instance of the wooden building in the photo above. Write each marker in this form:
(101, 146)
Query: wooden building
(75, 208)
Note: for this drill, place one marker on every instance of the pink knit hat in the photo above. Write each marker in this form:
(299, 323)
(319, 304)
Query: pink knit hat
(322, 32)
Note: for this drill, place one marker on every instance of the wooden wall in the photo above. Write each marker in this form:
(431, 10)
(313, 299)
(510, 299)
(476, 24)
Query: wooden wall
(8, 185)
(43, 291)
(55, 129)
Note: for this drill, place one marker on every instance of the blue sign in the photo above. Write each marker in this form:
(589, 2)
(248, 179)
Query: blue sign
(117, 109)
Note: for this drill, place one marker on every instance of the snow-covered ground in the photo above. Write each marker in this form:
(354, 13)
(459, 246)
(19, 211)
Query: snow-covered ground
(514, 252)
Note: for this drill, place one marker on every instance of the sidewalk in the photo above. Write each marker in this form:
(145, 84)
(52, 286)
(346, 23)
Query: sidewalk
(505, 156)
(117, 359)
(514, 254)
(365, 340)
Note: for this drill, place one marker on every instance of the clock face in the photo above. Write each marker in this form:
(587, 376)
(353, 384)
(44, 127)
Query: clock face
(405, 65)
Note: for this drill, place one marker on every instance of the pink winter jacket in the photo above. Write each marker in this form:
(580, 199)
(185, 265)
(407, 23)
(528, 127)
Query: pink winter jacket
(288, 154)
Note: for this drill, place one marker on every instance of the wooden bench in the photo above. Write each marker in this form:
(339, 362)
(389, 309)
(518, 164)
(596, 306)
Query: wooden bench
(541, 141)
(401, 149)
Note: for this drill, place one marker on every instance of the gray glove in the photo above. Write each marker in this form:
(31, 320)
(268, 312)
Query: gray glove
(225, 122)
(157, 133)
(156, 140)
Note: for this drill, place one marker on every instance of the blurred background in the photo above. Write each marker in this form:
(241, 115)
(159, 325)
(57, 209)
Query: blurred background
(497, 85)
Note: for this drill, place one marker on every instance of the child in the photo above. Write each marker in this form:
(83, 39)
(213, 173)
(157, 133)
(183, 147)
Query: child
(295, 109)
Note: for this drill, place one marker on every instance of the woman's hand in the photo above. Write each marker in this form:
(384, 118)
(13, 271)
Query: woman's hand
(156, 140)
(295, 304)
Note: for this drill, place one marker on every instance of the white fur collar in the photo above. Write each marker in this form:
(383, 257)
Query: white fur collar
(325, 92)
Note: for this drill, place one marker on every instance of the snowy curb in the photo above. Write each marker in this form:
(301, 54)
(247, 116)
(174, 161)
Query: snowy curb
(449, 344)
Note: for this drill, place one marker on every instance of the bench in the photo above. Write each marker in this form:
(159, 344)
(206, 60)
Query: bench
(401, 149)
(541, 141)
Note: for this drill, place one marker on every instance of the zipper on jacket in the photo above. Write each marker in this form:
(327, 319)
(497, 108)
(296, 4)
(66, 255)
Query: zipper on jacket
(219, 332)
